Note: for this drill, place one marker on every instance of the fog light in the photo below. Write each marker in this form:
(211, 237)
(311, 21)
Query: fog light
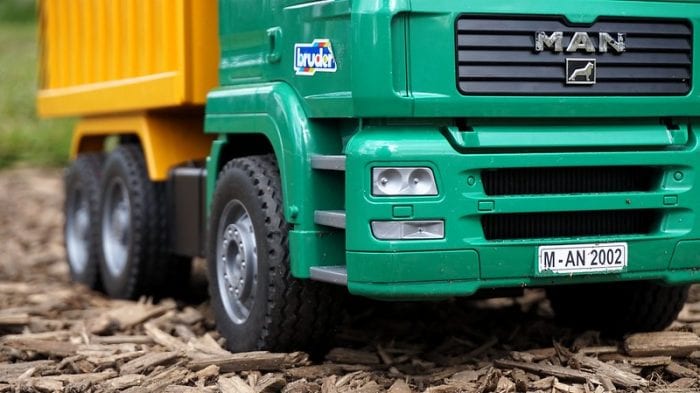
(403, 181)
(408, 230)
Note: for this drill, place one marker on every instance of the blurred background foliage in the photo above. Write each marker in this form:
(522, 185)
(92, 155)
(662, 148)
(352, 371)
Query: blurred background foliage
(25, 139)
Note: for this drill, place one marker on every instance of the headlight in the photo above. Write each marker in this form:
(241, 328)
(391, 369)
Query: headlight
(388, 181)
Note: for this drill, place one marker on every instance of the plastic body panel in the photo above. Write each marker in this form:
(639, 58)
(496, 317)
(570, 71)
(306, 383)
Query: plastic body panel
(274, 110)
(167, 139)
(396, 84)
(397, 58)
(125, 55)
(389, 269)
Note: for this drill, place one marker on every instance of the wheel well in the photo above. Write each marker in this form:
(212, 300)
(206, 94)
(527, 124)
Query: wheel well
(241, 145)
(106, 142)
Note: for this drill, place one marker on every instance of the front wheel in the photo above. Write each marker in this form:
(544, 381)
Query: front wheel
(257, 303)
(618, 308)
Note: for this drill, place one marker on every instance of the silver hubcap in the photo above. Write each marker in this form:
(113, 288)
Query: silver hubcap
(237, 262)
(77, 230)
(116, 224)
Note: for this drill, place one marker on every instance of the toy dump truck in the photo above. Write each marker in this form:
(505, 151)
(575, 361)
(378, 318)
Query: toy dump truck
(401, 149)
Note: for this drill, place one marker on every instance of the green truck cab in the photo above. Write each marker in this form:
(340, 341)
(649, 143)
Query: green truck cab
(423, 149)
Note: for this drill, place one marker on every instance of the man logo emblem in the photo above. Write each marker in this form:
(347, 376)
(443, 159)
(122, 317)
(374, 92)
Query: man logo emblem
(580, 71)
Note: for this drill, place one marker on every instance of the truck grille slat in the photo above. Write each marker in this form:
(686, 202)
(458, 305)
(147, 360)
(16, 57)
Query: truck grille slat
(556, 73)
(524, 41)
(526, 87)
(643, 59)
(496, 56)
(505, 25)
(568, 224)
(569, 180)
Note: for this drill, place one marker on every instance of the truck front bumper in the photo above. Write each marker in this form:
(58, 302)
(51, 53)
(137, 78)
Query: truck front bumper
(468, 258)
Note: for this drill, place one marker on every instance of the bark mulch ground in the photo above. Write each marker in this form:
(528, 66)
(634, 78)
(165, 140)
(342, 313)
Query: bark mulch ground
(57, 336)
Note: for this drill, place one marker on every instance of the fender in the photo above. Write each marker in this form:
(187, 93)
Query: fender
(275, 111)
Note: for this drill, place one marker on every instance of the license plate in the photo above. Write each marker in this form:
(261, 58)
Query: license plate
(582, 258)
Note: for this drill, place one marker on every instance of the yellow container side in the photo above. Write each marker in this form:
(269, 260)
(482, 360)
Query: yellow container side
(111, 56)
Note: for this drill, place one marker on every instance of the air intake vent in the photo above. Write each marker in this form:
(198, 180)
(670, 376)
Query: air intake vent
(568, 180)
(497, 56)
(568, 224)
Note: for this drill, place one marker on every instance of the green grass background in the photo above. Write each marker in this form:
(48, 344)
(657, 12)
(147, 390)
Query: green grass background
(24, 139)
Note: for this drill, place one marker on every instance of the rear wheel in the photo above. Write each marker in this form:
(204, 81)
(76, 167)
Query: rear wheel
(257, 303)
(618, 308)
(134, 259)
(82, 210)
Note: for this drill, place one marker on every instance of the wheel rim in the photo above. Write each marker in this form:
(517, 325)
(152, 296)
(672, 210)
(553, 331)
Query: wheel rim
(116, 226)
(237, 261)
(77, 230)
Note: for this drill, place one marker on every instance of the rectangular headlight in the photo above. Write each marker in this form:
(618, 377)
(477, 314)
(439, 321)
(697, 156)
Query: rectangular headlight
(388, 181)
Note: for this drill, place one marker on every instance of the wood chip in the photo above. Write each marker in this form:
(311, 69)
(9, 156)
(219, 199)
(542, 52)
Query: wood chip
(148, 361)
(87, 377)
(314, 372)
(41, 385)
(207, 345)
(124, 382)
(234, 384)
(189, 389)
(644, 361)
(300, 386)
(44, 347)
(542, 353)
(164, 339)
(12, 371)
(598, 350)
(683, 383)
(679, 371)
(556, 371)
(328, 386)
(208, 372)
(134, 314)
(520, 379)
(122, 339)
(399, 386)
(662, 343)
(617, 376)
(346, 355)
(564, 388)
(542, 384)
(14, 320)
(262, 361)
(505, 385)
(171, 376)
(269, 383)
(466, 376)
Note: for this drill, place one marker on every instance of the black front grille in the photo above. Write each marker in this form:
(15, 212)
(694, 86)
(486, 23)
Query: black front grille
(568, 180)
(568, 224)
(496, 56)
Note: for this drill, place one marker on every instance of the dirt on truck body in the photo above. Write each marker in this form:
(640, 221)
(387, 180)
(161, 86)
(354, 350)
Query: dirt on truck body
(59, 336)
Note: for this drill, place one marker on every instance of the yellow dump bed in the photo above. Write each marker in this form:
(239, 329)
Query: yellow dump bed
(107, 56)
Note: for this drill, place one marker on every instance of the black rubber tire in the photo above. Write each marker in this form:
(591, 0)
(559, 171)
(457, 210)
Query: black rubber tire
(149, 269)
(618, 308)
(83, 176)
(294, 314)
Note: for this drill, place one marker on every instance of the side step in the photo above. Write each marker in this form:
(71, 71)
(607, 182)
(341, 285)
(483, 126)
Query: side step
(329, 163)
(331, 274)
(330, 218)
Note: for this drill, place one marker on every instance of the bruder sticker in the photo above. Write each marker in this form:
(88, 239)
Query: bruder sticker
(314, 57)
